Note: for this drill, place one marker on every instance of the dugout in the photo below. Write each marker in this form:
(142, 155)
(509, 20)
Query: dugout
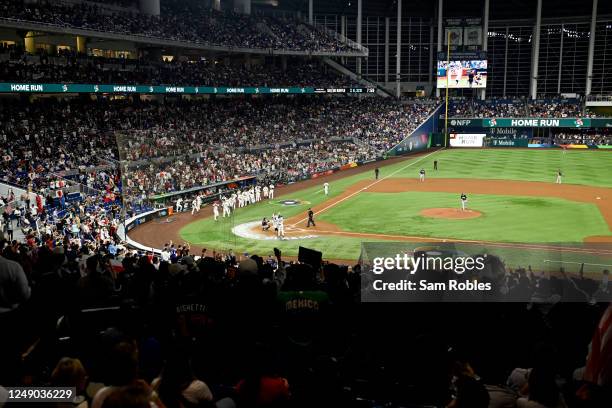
(210, 192)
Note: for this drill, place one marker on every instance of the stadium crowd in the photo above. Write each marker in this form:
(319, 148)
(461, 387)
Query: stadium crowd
(179, 329)
(42, 141)
(555, 109)
(188, 21)
(68, 67)
(280, 165)
(57, 150)
(492, 108)
(515, 108)
(183, 329)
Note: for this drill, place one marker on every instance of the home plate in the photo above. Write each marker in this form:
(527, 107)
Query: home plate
(599, 198)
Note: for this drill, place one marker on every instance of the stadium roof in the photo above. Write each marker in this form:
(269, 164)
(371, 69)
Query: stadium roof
(500, 9)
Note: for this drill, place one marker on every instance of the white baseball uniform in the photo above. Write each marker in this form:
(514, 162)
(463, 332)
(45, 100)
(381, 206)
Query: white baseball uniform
(216, 211)
(281, 226)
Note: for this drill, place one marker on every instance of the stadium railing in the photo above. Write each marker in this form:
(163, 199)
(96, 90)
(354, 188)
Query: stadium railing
(598, 98)
(107, 6)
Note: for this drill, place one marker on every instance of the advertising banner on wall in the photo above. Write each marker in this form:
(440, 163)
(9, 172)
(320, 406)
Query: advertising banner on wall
(504, 142)
(601, 123)
(467, 139)
(170, 89)
(508, 133)
(525, 122)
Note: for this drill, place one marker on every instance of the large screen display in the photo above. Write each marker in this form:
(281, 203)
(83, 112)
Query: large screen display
(463, 74)
(466, 139)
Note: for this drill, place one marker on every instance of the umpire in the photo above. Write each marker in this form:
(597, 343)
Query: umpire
(310, 218)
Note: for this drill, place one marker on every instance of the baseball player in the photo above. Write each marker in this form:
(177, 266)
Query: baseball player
(179, 205)
(326, 188)
(422, 175)
(281, 226)
(258, 194)
(233, 200)
(216, 211)
(310, 218)
(194, 206)
(271, 191)
(559, 176)
(265, 192)
(456, 71)
(199, 202)
(464, 201)
(226, 208)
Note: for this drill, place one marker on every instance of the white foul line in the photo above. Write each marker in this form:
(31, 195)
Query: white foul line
(368, 186)
(575, 263)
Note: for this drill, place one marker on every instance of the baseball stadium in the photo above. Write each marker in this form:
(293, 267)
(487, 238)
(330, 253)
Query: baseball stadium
(306, 203)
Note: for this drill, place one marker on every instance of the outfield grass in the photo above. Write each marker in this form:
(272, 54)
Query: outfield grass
(526, 219)
(592, 168)
(540, 220)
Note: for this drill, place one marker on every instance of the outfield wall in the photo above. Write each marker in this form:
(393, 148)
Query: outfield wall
(527, 132)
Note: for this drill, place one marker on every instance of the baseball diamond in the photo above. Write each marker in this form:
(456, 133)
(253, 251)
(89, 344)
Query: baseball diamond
(512, 190)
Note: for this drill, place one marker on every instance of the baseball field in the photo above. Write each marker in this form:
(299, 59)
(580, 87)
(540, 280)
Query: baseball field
(512, 200)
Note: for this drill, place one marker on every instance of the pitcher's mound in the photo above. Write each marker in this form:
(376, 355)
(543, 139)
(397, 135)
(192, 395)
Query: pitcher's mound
(450, 213)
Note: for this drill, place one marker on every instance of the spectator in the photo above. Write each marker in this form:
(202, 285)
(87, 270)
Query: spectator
(94, 288)
(69, 372)
(132, 396)
(14, 287)
(541, 390)
(177, 386)
(122, 371)
(262, 387)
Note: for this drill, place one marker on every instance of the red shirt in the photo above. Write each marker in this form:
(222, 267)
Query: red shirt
(271, 389)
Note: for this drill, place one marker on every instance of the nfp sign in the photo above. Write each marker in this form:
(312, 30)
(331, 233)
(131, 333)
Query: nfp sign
(463, 122)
